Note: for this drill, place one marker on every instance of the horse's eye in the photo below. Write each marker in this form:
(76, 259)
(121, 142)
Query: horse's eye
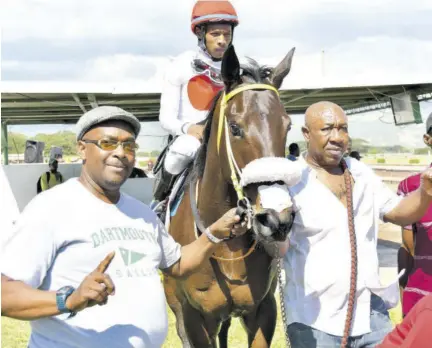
(235, 130)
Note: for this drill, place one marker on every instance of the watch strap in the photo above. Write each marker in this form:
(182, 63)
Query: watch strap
(61, 297)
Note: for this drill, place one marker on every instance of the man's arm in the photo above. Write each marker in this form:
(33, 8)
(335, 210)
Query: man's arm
(410, 209)
(170, 101)
(194, 254)
(20, 301)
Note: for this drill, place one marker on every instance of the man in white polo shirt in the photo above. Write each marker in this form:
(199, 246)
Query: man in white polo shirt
(318, 262)
(60, 269)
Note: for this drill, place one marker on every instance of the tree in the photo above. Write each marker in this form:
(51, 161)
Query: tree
(64, 139)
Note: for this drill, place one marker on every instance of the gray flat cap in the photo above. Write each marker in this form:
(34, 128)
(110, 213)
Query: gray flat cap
(103, 114)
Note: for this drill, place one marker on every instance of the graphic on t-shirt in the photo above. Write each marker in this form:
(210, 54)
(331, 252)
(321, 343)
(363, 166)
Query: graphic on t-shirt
(108, 234)
(135, 262)
(130, 257)
(201, 92)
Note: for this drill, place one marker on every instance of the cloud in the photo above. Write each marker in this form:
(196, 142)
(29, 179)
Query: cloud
(348, 64)
(131, 41)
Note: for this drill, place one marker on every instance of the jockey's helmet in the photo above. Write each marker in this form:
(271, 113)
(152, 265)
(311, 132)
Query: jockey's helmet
(216, 11)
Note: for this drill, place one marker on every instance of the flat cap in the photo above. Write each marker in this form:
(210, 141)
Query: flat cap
(102, 114)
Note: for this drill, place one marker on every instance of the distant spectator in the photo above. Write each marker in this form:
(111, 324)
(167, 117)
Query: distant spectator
(51, 178)
(415, 254)
(356, 155)
(294, 152)
(150, 166)
(137, 173)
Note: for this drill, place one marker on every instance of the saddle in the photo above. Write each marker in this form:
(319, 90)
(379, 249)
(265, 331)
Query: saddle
(163, 179)
(168, 189)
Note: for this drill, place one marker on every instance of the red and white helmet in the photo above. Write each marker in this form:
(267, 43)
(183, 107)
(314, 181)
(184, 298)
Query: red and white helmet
(213, 11)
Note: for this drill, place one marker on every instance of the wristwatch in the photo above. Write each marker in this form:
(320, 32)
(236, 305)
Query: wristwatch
(61, 296)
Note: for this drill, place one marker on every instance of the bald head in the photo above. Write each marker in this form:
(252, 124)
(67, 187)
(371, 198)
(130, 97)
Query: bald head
(326, 132)
(323, 110)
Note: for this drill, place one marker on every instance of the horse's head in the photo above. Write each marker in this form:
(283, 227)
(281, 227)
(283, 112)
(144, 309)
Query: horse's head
(252, 132)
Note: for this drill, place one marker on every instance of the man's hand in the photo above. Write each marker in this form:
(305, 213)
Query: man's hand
(95, 288)
(229, 222)
(426, 182)
(196, 131)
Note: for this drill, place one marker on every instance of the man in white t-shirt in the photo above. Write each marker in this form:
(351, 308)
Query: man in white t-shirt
(60, 269)
(318, 263)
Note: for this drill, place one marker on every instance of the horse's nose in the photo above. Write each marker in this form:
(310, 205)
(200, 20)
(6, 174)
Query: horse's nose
(269, 218)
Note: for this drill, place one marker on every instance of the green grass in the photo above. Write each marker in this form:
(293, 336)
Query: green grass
(15, 333)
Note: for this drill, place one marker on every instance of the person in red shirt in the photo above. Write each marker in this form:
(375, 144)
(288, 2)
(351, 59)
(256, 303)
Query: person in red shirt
(415, 330)
(415, 254)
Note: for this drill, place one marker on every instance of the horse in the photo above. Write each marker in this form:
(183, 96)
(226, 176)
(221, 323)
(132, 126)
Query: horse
(246, 124)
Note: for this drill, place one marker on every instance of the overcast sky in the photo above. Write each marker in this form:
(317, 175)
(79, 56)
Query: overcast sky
(131, 41)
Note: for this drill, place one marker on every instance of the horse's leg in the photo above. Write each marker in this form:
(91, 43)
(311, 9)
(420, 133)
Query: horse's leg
(223, 333)
(260, 324)
(201, 330)
(170, 286)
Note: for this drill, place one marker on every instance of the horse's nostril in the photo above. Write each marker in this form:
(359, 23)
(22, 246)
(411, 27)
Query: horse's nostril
(268, 219)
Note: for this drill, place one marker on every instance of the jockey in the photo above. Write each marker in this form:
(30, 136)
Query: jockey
(193, 80)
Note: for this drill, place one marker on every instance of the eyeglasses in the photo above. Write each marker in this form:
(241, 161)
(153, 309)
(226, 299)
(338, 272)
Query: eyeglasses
(110, 145)
(203, 68)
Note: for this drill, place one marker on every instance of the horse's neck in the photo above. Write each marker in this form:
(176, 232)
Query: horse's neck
(215, 195)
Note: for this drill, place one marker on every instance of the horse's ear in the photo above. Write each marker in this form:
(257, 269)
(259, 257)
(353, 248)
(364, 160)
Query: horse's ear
(282, 69)
(230, 68)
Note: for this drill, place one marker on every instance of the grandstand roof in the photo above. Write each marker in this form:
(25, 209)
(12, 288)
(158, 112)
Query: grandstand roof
(66, 103)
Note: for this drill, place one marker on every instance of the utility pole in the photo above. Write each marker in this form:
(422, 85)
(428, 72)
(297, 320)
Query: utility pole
(323, 64)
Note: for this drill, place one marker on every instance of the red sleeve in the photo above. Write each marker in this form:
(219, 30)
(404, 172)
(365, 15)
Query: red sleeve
(397, 337)
(421, 333)
(415, 329)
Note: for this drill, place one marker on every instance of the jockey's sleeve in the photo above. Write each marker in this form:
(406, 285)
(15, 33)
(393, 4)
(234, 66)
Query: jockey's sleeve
(170, 103)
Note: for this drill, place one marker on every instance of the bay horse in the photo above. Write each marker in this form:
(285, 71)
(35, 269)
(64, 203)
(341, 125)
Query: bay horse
(247, 123)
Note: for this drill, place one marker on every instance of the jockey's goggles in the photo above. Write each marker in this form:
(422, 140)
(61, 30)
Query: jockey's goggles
(204, 69)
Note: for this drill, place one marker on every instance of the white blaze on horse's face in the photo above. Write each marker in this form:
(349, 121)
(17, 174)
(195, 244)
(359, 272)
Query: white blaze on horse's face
(274, 197)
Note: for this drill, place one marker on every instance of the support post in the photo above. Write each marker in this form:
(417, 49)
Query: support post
(4, 143)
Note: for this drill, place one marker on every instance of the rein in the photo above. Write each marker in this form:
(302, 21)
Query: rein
(243, 204)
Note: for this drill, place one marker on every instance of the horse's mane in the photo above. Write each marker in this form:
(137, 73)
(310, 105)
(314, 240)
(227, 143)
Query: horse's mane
(252, 72)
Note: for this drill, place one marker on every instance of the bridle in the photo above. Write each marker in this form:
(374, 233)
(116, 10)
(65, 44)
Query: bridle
(243, 203)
